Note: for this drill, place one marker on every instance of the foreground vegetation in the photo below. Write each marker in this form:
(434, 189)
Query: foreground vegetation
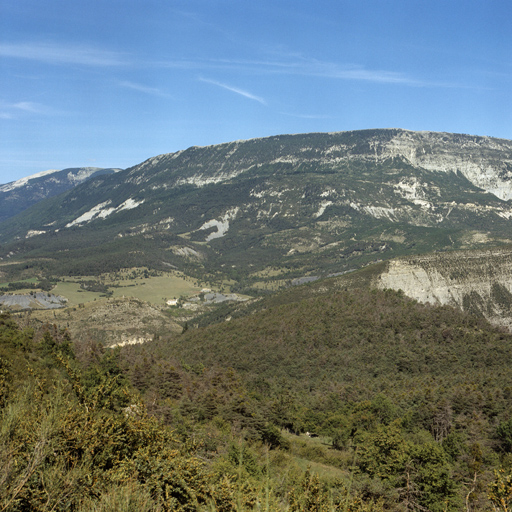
(408, 407)
(74, 435)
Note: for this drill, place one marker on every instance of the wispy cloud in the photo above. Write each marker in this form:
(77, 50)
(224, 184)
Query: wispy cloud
(279, 63)
(285, 61)
(62, 54)
(29, 106)
(154, 91)
(12, 110)
(360, 73)
(236, 90)
(294, 64)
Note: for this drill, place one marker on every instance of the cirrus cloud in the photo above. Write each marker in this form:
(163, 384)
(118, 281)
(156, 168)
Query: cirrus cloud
(236, 90)
(56, 54)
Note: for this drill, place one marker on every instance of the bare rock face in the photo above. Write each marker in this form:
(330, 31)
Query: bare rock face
(485, 162)
(476, 281)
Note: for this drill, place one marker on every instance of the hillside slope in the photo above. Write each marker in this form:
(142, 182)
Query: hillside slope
(344, 337)
(409, 393)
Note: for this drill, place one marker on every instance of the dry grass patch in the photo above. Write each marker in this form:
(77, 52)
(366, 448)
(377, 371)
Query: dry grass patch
(157, 289)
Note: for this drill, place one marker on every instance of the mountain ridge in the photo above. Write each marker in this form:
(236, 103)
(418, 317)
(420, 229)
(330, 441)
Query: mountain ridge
(308, 204)
(17, 196)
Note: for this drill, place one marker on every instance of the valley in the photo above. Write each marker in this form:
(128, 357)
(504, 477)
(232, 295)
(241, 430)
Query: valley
(131, 306)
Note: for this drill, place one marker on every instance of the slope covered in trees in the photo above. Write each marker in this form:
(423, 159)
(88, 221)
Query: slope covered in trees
(76, 435)
(412, 406)
(415, 400)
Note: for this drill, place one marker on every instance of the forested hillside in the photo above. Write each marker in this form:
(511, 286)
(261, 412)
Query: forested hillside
(75, 435)
(410, 407)
(414, 402)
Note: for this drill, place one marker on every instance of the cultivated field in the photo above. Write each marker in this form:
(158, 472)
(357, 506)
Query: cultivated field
(157, 290)
(154, 289)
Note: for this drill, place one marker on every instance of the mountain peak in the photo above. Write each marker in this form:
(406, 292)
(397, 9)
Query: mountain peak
(23, 181)
(18, 195)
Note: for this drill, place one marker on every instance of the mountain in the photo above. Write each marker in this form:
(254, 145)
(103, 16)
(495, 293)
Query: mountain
(278, 208)
(19, 195)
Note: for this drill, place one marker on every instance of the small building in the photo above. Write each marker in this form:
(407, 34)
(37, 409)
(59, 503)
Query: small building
(172, 302)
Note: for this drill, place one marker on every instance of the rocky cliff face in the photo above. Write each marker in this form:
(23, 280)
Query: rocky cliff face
(476, 281)
(484, 161)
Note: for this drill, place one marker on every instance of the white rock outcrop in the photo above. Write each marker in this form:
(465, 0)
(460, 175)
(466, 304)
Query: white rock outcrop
(476, 281)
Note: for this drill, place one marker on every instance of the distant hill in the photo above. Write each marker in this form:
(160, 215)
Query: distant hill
(19, 195)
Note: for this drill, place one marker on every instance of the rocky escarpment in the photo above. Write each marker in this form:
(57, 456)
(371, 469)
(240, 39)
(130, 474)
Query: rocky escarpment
(479, 282)
(484, 161)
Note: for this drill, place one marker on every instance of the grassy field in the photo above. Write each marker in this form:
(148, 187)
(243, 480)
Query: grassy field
(317, 454)
(111, 320)
(31, 280)
(71, 290)
(156, 289)
(151, 289)
(268, 272)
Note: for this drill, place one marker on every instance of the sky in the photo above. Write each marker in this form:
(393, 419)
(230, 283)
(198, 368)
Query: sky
(110, 83)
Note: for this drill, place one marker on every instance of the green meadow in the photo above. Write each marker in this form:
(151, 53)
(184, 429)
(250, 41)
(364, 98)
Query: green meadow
(75, 295)
(156, 290)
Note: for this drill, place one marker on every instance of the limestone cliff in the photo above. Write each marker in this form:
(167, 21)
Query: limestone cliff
(476, 281)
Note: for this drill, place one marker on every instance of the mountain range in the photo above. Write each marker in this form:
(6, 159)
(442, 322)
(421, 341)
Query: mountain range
(276, 211)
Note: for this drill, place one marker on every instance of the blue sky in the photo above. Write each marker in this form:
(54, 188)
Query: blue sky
(110, 83)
